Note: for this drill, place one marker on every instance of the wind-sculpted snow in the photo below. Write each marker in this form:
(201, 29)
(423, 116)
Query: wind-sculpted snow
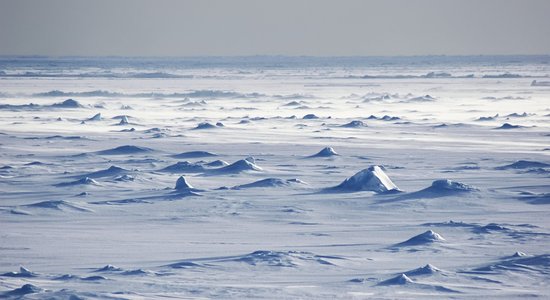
(184, 167)
(69, 103)
(269, 182)
(536, 264)
(354, 124)
(191, 94)
(524, 164)
(425, 238)
(310, 117)
(194, 154)
(508, 126)
(397, 280)
(384, 118)
(96, 117)
(183, 185)
(126, 149)
(441, 188)
(82, 181)
(405, 281)
(243, 165)
(325, 152)
(305, 180)
(372, 179)
(26, 289)
(532, 198)
(23, 272)
(519, 232)
(423, 271)
(206, 125)
(60, 205)
(285, 259)
(112, 171)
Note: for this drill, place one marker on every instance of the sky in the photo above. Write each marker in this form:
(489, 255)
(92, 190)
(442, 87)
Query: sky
(282, 27)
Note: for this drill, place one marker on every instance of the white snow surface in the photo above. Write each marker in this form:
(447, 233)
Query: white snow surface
(95, 200)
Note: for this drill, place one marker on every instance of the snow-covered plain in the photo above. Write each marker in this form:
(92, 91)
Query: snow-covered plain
(422, 191)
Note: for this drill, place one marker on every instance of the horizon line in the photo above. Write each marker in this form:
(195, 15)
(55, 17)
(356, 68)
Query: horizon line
(265, 55)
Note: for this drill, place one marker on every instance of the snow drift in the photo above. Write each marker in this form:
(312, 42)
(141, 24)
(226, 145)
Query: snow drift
(425, 238)
(325, 152)
(243, 165)
(372, 179)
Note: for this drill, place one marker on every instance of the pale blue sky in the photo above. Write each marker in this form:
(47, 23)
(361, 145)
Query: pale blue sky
(285, 27)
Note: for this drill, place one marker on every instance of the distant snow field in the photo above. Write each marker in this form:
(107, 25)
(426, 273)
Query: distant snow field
(306, 179)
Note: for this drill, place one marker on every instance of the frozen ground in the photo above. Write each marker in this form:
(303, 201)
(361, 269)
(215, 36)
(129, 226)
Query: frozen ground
(93, 206)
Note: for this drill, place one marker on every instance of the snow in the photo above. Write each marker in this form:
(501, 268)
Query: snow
(371, 179)
(325, 152)
(194, 154)
(305, 208)
(182, 184)
(427, 237)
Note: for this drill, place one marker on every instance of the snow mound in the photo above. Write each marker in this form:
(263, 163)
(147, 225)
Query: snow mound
(126, 149)
(60, 205)
(425, 98)
(310, 117)
(516, 115)
(508, 126)
(389, 118)
(242, 165)
(441, 188)
(96, 117)
(184, 265)
(24, 290)
(446, 185)
(124, 120)
(371, 179)
(194, 154)
(82, 181)
(425, 270)
(23, 272)
(69, 103)
(205, 125)
(66, 277)
(182, 184)
(184, 167)
(521, 264)
(425, 238)
(354, 124)
(111, 171)
(125, 178)
(325, 152)
(268, 182)
(217, 163)
(490, 227)
(398, 280)
(489, 118)
(108, 268)
(524, 164)
(136, 272)
(287, 259)
(384, 118)
(293, 103)
(519, 254)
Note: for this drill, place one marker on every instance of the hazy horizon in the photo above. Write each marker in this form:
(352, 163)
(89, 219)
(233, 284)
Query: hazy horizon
(284, 28)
